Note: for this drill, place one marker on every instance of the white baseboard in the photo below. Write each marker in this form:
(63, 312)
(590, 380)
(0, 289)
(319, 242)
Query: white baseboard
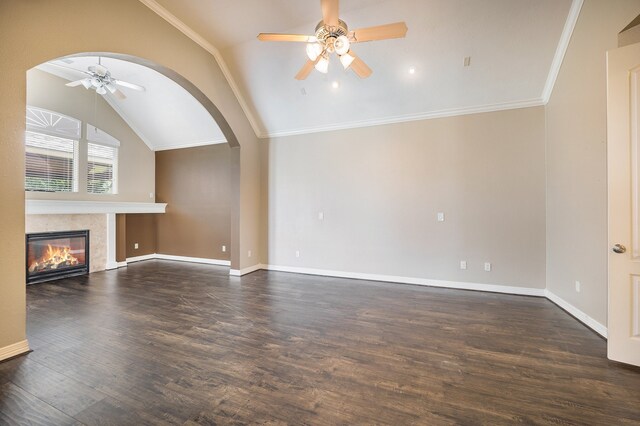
(245, 271)
(140, 258)
(493, 288)
(193, 259)
(14, 350)
(111, 265)
(577, 313)
(179, 259)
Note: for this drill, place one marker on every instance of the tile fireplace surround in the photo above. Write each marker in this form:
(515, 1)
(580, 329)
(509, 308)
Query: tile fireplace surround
(97, 216)
(95, 223)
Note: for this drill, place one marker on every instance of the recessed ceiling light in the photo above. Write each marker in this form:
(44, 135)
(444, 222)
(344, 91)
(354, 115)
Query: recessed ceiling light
(412, 70)
(335, 84)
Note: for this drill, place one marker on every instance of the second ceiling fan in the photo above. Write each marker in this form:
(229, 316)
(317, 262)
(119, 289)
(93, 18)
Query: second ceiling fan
(333, 35)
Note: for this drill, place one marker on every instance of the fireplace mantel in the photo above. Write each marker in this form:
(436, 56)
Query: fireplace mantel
(90, 207)
(108, 208)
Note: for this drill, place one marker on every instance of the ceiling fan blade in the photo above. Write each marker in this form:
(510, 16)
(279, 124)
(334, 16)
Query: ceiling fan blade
(380, 32)
(330, 12)
(86, 82)
(129, 85)
(358, 66)
(74, 83)
(306, 69)
(69, 68)
(118, 94)
(287, 37)
(115, 91)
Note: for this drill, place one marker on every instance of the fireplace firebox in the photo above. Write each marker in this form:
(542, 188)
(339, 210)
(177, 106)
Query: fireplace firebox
(55, 255)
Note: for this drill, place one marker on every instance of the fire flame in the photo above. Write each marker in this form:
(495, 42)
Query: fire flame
(54, 258)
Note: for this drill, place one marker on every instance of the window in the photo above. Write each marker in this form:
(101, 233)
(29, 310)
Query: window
(101, 166)
(51, 149)
(102, 162)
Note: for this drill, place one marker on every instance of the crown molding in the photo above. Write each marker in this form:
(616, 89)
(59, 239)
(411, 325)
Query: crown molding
(454, 112)
(199, 40)
(190, 144)
(561, 50)
(556, 64)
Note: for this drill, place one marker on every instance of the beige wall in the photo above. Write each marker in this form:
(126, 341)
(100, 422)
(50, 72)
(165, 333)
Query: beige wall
(196, 185)
(136, 162)
(33, 32)
(140, 229)
(380, 189)
(576, 159)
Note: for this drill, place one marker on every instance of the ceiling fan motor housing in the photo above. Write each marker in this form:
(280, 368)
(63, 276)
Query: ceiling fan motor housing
(327, 34)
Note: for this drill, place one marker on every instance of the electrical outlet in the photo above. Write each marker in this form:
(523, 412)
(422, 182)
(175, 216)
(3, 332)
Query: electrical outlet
(151, 195)
(249, 253)
(320, 215)
(136, 246)
(487, 266)
(578, 285)
(463, 264)
(297, 253)
(440, 217)
(224, 249)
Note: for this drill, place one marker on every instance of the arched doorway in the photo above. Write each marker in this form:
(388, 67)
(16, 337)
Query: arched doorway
(172, 151)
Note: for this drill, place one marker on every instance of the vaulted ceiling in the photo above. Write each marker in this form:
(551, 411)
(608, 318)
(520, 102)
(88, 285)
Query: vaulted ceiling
(515, 48)
(164, 115)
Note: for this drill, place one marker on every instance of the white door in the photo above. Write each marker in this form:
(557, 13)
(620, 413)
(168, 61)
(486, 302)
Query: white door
(623, 150)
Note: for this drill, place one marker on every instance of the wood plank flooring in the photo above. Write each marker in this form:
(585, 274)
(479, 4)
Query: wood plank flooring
(164, 342)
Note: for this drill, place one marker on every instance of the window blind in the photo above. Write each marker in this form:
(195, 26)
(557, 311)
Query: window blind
(50, 162)
(102, 163)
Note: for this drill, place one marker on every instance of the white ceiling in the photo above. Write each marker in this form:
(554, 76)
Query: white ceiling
(165, 115)
(512, 44)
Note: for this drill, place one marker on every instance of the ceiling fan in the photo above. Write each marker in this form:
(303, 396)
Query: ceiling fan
(100, 79)
(333, 35)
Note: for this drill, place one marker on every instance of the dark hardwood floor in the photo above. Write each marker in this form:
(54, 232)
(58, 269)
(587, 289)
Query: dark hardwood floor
(165, 342)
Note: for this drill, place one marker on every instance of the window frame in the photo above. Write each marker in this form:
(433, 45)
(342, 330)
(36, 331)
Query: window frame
(40, 121)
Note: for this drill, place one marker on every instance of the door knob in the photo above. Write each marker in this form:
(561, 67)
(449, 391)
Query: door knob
(619, 248)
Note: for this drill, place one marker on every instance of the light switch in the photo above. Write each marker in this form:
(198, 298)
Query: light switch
(440, 217)
(321, 216)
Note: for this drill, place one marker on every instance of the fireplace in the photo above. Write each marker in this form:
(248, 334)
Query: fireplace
(55, 255)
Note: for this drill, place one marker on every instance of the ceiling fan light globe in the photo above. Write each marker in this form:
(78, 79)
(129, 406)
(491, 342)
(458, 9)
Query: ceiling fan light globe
(322, 65)
(111, 88)
(86, 83)
(346, 60)
(101, 90)
(313, 50)
(342, 45)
